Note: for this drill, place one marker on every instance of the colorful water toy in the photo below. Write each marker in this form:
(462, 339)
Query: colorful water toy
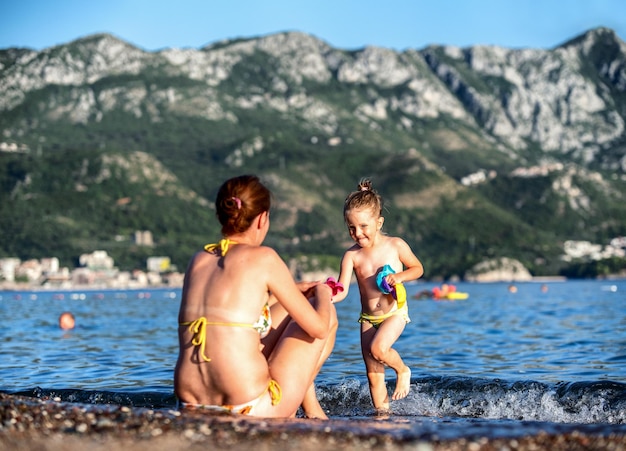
(334, 285)
(397, 291)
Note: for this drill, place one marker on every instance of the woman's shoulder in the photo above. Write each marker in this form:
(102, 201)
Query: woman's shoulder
(199, 258)
(263, 254)
(263, 262)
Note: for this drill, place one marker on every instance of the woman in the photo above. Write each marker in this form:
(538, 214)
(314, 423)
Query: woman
(250, 340)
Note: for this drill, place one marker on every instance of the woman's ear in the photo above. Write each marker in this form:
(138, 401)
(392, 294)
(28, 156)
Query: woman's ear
(263, 218)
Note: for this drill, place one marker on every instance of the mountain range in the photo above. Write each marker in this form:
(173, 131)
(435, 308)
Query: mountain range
(480, 152)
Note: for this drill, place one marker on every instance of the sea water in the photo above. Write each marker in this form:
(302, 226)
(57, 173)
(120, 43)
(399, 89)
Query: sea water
(497, 363)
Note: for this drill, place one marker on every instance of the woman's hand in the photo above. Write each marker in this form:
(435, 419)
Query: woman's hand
(308, 288)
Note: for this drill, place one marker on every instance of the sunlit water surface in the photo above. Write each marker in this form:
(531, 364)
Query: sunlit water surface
(499, 360)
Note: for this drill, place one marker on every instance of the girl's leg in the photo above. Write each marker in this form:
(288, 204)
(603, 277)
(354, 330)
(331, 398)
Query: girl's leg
(375, 369)
(381, 350)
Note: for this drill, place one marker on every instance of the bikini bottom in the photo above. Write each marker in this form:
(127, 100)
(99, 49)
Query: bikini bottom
(246, 408)
(377, 320)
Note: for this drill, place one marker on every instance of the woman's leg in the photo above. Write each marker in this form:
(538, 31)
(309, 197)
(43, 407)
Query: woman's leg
(294, 360)
(280, 319)
(310, 404)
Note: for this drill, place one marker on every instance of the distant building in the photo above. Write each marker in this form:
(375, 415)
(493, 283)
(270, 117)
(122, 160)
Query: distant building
(8, 267)
(82, 276)
(96, 260)
(30, 270)
(576, 250)
(158, 264)
(143, 238)
(96, 270)
(50, 265)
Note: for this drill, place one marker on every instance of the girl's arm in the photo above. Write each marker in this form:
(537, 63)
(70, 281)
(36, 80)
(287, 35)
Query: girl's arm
(345, 276)
(413, 268)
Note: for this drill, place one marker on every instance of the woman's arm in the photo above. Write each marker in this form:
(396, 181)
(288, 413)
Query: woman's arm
(314, 318)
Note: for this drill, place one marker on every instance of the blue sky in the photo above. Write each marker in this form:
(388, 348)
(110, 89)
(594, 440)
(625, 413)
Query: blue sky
(345, 24)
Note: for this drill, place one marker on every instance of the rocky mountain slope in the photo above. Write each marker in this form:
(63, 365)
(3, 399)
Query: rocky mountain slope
(480, 152)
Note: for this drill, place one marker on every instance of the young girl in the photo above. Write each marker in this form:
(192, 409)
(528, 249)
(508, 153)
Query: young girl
(381, 263)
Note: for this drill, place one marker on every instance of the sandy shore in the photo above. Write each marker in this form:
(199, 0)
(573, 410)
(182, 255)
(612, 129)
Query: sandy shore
(29, 423)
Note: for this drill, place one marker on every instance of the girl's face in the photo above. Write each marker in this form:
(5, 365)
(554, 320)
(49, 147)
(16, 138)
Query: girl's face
(364, 225)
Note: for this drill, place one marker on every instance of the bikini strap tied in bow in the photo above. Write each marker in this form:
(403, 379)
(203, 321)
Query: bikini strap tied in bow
(223, 244)
(198, 329)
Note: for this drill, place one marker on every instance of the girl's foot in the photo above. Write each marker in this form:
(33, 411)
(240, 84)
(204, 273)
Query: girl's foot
(403, 384)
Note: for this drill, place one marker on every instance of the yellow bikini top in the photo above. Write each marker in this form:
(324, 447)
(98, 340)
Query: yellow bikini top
(198, 327)
(223, 244)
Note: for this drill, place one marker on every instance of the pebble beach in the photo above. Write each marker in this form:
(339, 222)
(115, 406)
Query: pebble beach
(47, 424)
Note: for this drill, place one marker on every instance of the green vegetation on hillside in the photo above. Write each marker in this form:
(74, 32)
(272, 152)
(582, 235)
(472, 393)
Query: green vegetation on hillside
(112, 152)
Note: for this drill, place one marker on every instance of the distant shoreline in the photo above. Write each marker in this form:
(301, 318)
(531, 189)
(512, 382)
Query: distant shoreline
(10, 287)
(90, 288)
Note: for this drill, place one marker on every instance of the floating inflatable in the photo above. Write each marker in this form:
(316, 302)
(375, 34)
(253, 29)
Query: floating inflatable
(457, 295)
(446, 292)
